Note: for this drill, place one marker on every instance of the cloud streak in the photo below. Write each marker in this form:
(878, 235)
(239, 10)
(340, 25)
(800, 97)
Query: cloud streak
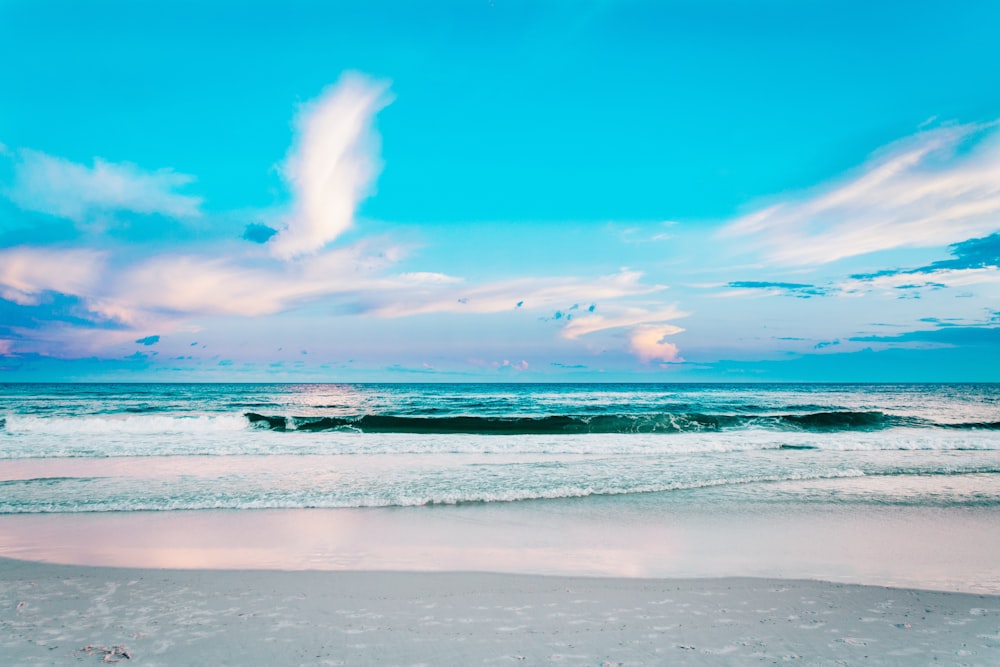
(936, 188)
(181, 286)
(933, 278)
(65, 189)
(768, 288)
(624, 317)
(332, 165)
(444, 296)
(974, 261)
(27, 272)
(646, 328)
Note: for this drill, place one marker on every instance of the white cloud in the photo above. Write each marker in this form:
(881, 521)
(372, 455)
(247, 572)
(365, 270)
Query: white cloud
(647, 343)
(56, 186)
(506, 363)
(625, 317)
(164, 290)
(533, 293)
(66, 341)
(195, 285)
(930, 278)
(429, 278)
(330, 168)
(938, 187)
(647, 329)
(332, 165)
(6, 344)
(28, 271)
(164, 293)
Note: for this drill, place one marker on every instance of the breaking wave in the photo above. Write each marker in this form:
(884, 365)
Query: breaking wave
(819, 422)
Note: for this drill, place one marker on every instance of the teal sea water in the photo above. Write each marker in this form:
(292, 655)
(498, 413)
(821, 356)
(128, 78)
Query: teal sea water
(168, 447)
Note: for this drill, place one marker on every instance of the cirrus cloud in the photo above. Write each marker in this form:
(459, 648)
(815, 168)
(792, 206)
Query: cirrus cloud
(935, 188)
(66, 189)
(26, 272)
(624, 317)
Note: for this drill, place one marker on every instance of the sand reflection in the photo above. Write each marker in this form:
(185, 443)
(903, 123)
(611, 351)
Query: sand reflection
(945, 549)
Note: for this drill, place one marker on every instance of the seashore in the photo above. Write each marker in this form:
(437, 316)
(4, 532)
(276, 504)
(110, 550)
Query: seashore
(593, 583)
(58, 614)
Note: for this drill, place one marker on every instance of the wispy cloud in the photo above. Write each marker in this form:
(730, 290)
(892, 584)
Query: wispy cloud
(982, 253)
(623, 317)
(931, 278)
(179, 286)
(66, 189)
(767, 288)
(26, 272)
(69, 341)
(166, 292)
(504, 364)
(332, 165)
(950, 336)
(453, 296)
(973, 261)
(932, 189)
(647, 329)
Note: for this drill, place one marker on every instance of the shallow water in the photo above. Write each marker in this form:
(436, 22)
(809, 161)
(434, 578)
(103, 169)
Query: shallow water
(892, 484)
(87, 448)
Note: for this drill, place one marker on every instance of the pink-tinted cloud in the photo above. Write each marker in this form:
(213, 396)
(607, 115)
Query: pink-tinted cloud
(936, 188)
(622, 317)
(65, 341)
(26, 272)
(182, 286)
(647, 342)
(332, 165)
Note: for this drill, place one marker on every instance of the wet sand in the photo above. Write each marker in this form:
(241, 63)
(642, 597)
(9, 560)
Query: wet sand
(948, 549)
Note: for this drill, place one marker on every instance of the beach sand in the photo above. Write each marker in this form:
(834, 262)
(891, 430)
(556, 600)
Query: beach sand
(57, 614)
(575, 583)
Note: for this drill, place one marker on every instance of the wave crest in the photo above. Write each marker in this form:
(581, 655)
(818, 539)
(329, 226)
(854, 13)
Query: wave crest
(606, 424)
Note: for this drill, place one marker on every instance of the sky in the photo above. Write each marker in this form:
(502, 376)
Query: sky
(498, 190)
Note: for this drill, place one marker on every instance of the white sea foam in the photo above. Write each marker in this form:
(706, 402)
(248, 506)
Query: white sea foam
(109, 448)
(368, 493)
(229, 435)
(127, 424)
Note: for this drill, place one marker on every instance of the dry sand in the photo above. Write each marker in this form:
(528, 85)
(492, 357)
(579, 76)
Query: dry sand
(57, 614)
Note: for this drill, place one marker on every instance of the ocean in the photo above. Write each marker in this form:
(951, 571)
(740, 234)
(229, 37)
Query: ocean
(71, 448)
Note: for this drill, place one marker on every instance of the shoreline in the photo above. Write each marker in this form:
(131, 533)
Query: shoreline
(948, 549)
(52, 614)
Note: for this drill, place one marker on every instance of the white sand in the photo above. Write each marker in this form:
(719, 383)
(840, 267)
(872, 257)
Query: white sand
(56, 615)
(253, 608)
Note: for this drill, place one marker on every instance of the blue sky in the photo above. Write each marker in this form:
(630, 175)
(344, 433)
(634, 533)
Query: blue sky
(707, 190)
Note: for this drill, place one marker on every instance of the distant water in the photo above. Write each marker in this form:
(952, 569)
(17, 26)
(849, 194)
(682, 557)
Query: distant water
(133, 447)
